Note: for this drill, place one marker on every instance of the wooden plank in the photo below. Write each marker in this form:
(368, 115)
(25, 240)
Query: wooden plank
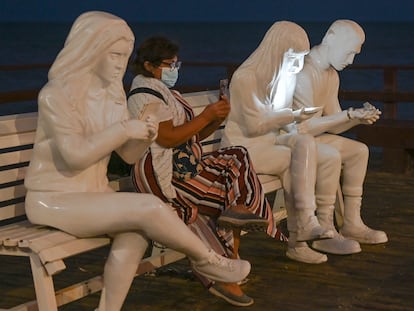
(269, 183)
(31, 234)
(12, 192)
(18, 123)
(15, 157)
(12, 237)
(12, 175)
(14, 140)
(12, 210)
(71, 248)
(53, 238)
(12, 229)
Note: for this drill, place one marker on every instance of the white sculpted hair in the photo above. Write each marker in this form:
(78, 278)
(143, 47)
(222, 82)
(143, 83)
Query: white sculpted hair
(91, 35)
(264, 63)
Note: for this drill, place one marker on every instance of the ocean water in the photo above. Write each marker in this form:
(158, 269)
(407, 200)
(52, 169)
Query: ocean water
(32, 43)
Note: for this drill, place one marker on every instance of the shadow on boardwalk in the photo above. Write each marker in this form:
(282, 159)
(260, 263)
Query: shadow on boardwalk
(381, 277)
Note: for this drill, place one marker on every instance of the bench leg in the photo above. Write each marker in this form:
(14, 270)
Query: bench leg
(279, 210)
(45, 292)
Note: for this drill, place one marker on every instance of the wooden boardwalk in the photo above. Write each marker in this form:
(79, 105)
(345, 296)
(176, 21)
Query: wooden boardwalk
(381, 277)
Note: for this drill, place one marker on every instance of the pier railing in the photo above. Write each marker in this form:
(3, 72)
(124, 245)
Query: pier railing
(397, 152)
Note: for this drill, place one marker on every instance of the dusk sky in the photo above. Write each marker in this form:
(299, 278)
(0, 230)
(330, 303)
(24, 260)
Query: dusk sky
(211, 10)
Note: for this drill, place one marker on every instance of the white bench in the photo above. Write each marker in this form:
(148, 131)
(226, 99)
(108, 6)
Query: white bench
(47, 248)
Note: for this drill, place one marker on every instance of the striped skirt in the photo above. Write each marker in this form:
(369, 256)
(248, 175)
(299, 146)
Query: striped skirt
(227, 179)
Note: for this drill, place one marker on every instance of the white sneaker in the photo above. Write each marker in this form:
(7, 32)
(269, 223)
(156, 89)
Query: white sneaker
(311, 230)
(306, 254)
(364, 234)
(222, 269)
(338, 245)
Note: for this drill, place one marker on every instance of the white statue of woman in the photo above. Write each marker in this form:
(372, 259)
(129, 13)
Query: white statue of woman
(83, 118)
(261, 92)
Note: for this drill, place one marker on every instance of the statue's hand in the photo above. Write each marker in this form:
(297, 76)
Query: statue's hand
(302, 128)
(366, 115)
(303, 114)
(145, 130)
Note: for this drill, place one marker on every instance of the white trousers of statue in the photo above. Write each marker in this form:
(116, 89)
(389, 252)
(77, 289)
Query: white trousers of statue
(352, 156)
(299, 178)
(125, 216)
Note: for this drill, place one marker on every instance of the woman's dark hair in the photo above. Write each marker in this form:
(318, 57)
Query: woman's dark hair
(153, 50)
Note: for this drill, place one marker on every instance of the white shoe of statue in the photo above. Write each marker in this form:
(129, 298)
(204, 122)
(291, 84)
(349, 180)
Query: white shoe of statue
(364, 234)
(306, 255)
(222, 269)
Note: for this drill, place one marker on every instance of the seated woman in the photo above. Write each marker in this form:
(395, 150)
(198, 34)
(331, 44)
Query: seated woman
(220, 187)
(83, 117)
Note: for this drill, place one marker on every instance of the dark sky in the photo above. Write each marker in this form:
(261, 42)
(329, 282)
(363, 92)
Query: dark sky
(211, 10)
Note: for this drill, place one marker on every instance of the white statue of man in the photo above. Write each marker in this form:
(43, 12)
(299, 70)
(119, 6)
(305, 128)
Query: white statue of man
(261, 92)
(318, 84)
(83, 117)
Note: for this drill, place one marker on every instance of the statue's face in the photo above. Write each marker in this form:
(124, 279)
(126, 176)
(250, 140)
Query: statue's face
(342, 51)
(293, 61)
(112, 64)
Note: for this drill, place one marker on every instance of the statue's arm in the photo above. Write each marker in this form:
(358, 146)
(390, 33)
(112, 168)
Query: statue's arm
(65, 126)
(332, 119)
(251, 110)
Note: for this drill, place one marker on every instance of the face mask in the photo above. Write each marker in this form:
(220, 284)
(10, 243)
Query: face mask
(169, 76)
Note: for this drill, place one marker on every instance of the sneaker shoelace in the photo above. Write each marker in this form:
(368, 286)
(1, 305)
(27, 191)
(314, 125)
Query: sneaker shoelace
(221, 262)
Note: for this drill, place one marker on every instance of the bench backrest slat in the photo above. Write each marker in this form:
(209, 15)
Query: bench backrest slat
(11, 175)
(18, 123)
(12, 211)
(15, 157)
(13, 192)
(17, 134)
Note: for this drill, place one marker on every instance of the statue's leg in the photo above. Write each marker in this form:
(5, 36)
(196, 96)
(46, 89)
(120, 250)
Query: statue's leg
(299, 251)
(355, 159)
(126, 252)
(91, 214)
(303, 178)
(327, 180)
(354, 156)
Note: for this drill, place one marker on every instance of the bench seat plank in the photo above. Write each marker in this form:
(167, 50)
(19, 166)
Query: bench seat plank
(71, 248)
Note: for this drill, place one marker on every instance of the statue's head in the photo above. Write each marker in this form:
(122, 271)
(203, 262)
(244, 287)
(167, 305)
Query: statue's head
(92, 34)
(282, 38)
(342, 42)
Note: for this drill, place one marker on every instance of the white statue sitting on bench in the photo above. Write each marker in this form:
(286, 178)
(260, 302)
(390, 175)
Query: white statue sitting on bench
(261, 92)
(318, 84)
(83, 118)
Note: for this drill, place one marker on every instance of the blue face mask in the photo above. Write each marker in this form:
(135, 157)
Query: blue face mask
(169, 76)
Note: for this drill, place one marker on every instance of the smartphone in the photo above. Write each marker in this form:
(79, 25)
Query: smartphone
(224, 87)
(312, 110)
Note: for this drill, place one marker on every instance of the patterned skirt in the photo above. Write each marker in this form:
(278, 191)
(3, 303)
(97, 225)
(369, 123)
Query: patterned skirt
(227, 179)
